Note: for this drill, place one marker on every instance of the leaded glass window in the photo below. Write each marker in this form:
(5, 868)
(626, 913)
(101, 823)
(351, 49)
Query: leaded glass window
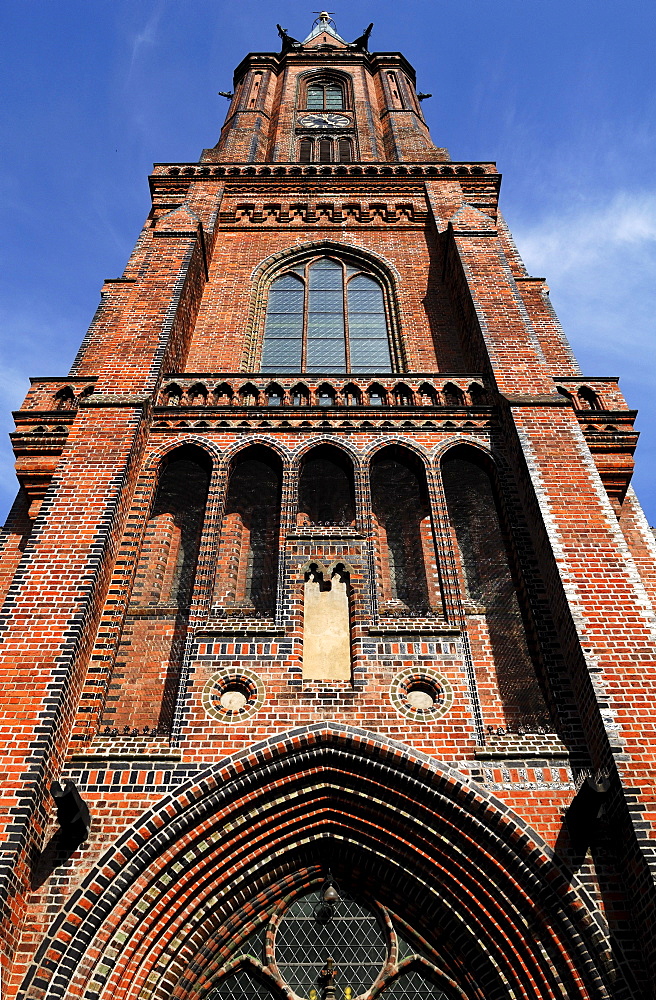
(413, 985)
(325, 97)
(353, 941)
(353, 938)
(283, 333)
(241, 985)
(367, 325)
(326, 317)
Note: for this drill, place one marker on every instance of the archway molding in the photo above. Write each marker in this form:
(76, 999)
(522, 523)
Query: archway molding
(401, 827)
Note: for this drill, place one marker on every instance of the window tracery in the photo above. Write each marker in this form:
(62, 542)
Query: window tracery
(326, 316)
(349, 949)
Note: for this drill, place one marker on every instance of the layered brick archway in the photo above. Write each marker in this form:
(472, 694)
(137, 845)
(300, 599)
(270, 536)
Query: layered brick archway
(152, 918)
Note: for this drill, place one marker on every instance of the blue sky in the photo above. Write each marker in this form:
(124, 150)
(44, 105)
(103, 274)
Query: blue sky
(561, 94)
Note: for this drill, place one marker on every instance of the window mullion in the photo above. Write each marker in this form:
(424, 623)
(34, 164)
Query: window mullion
(306, 309)
(347, 343)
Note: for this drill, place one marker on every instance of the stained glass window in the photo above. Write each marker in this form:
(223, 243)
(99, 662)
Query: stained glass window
(327, 318)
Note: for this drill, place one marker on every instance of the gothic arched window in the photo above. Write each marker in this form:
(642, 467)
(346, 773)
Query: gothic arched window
(324, 150)
(325, 95)
(326, 316)
(345, 150)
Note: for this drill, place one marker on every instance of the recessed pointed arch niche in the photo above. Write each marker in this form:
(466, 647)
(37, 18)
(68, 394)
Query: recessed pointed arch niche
(491, 584)
(326, 490)
(406, 564)
(146, 670)
(248, 556)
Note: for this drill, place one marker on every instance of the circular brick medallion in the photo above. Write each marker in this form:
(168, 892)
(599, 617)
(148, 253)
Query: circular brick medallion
(421, 695)
(233, 695)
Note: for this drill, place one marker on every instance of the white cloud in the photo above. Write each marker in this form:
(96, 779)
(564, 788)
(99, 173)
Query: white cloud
(599, 259)
(147, 36)
(591, 235)
(600, 262)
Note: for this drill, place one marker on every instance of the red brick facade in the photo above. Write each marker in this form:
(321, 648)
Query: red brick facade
(486, 772)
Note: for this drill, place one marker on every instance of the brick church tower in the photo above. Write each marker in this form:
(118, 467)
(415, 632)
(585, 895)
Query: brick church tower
(327, 643)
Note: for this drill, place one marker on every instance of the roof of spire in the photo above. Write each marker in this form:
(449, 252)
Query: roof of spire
(324, 24)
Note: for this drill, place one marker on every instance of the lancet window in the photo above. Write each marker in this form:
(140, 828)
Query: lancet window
(326, 316)
(325, 150)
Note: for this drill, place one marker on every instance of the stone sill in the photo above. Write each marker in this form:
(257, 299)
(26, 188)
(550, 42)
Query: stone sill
(126, 748)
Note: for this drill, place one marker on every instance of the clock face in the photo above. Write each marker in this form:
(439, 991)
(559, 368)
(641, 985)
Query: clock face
(324, 120)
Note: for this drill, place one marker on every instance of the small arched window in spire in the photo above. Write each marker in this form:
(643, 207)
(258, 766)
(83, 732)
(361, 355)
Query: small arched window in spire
(326, 317)
(325, 150)
(345, 151)
(306, 151)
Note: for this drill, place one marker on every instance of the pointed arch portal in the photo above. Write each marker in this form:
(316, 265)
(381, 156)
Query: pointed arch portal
(461, 877)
